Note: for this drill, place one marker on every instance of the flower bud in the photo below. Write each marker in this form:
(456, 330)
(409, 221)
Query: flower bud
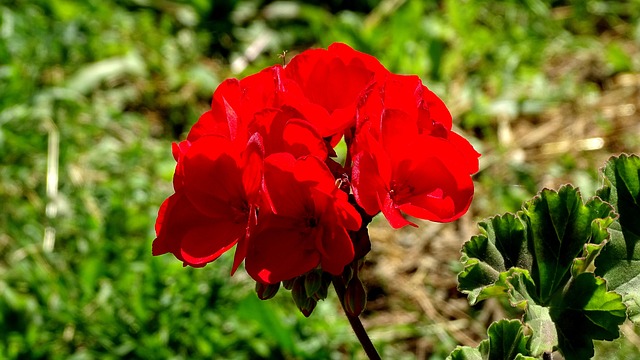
(322, 292)
(304, 303)
(266, 291)
(312, 282)
(347, 273)
(355, 297)
(298, 292)
(308, 307)
(288, 284)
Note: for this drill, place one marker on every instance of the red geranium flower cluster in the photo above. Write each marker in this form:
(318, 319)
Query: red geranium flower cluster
(259, 170)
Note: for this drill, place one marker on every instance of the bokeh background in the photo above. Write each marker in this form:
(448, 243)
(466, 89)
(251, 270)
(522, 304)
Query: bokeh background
(93, 92)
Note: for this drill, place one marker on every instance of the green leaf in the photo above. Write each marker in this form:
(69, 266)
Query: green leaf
(559, 226)
(507, 340)
(545, 335)
(524, 357)
(585, 263)
(619, 262)
(542, 259)
(521, 288)
(586, 311)
(465, 353)
(500, 246)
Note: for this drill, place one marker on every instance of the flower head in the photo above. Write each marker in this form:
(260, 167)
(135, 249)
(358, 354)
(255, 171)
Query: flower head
(307, 224)
(257, 170)
(406, 159)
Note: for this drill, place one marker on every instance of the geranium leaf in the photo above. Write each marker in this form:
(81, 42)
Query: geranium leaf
(559, 226)
(619, 262)
(586, 311)
(585, 263)
(524, 357)
(542, 259)
(500, 246)
(507, 340)
(465, 353)
(521, 288)
(545, 335)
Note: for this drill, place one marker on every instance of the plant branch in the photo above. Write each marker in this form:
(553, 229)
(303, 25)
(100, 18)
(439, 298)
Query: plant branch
(355, 322)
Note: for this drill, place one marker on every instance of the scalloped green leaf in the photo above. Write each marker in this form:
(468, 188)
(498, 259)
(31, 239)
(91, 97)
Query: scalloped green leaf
(524, 357)
(537, 317)
(587, 311)
(542, 259)
(465, 353)
(500, 245)
(520, 288)
(506, 340)
(586, 263)
(545, 336)
(559, 226)
(619, 261)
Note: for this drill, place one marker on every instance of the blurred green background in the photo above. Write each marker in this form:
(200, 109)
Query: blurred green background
(93, 92)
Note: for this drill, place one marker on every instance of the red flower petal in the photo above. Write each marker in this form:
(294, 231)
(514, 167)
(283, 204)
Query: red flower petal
(325, 194)
(309, 221)
(243, 242)
(371, 172)
(347, 53)
(253, 168)
(261, 91)
(335, 79)
(179, 150)
(434, 177)
(222, 120)
(398, 129)
(466, 150)
(336, 245)
(284, 130)
(203, 244)
(285, 193)
(366, 182)
(402, 92)
(314, 173)
(300, 138)
(391, 212)
(188, 234)
(161, 244)
(438, 111)
(280, 253)
(213, 178)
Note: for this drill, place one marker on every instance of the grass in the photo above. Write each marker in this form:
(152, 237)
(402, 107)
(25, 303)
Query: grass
(546, 90)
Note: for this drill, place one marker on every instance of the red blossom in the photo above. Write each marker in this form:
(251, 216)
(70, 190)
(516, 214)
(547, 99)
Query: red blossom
(335, 79)
(286, 130)
(256, 169)
(307, 224)
(406, 159)
(215, 203)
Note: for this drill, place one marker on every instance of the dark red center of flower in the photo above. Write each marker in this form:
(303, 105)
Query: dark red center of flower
(399, 191)
(240, 211)
(312, 222)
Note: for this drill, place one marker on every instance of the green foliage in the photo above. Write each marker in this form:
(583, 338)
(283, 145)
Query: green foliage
(91, 93)
(100, 88)
(619, 262)
(543, 260)
(507, 341)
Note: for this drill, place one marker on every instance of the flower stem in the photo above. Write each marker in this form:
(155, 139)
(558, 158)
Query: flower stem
(355, 322)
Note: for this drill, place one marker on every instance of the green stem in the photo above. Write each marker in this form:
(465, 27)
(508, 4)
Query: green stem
(355, 322)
